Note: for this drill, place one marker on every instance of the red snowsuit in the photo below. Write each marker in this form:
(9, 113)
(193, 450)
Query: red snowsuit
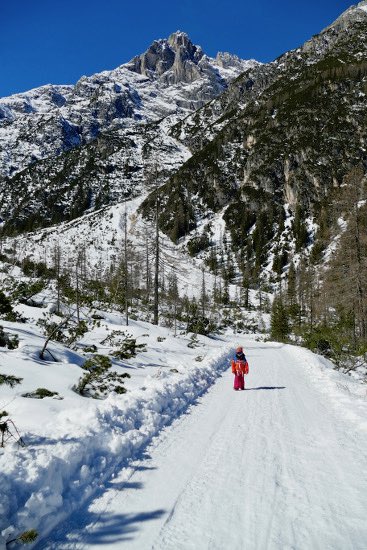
(239, 369)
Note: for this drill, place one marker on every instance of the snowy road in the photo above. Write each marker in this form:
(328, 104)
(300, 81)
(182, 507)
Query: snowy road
(279, 466)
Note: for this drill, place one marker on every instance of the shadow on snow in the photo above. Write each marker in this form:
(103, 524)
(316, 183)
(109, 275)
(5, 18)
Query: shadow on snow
(266, 388)
(101, 528)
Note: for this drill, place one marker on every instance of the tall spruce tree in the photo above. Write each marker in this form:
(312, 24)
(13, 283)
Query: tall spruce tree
(279, 320)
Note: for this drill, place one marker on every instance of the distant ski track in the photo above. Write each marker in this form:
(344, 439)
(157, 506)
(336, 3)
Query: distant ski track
(272, 467)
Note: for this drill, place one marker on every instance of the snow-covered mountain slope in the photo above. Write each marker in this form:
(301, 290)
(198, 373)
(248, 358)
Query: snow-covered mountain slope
(282, 457)
(199, 128)
(352, 14)
(67, 149)
(51, 119)
(286, 133)
(100, 236)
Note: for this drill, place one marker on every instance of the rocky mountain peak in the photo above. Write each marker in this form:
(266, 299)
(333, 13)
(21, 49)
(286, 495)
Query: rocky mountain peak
(362, 5)
(180, 41)
(230, 61)
(353, 14)
(172, 60)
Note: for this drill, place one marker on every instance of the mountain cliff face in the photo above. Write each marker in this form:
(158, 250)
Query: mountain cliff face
(277, 142)
(202, 126)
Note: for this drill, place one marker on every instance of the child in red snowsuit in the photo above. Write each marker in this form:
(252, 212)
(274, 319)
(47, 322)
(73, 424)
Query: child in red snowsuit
(239, 369)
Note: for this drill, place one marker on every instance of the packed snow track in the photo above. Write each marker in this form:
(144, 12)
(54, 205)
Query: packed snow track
(281, 465)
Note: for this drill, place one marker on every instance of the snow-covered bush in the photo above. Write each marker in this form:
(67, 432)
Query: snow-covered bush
(127, 346)
(98, 382)
(6, 308)
(7, 341)
(41, 393)
(9, 380)
(23, 292)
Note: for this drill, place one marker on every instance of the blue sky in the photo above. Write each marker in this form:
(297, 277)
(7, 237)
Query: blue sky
(58, 41)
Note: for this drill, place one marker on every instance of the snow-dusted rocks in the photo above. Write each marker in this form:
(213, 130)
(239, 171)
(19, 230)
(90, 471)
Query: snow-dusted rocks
(48, 120)
(68, 149)
(353, 14)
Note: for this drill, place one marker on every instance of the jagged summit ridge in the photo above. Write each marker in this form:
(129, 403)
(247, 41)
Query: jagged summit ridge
(176, 60)
(176, 54)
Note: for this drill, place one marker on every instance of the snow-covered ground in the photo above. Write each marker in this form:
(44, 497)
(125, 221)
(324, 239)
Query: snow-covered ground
(74, 443)
(281, 465)
(180, 460)
(101, 235)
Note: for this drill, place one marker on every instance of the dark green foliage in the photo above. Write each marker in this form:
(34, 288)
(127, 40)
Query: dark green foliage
(5, 304)
(196, 321)
(264, 231)
(317, 251)
(176, 215)
(53, 329)
(299, 228)
(127, 345)
(212, 260)
(67, 289)
(97, 366)
(198, 244)
(36, 269)
(90, 349)
(76, 332)
(325, 217)
(239, 219)
(119, 389)
(97, 363)
(281, 220)
(11, 342)
(23, 292)
(96, 291)
(40, 393)
(68, 331)
(198, 324)
(330, 340)
(9, 380)
(225, 295)
(98, 381)
(280, 261)
(279, 320)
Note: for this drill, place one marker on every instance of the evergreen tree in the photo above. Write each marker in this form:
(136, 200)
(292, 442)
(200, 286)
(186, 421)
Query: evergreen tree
(293, 306)
(5, 304)
(300, 229)
(279, 320)
(246, 285)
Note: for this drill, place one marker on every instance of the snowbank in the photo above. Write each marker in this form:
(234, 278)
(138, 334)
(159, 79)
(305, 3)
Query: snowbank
(347, 395)
(44, 482)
